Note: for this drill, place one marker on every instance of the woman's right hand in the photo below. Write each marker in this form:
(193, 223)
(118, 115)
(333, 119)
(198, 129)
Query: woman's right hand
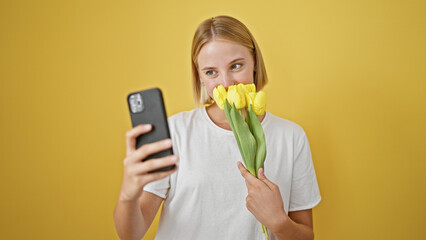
(136, 172)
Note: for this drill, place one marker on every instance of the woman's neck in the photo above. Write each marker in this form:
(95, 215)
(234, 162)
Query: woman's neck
(218, 116)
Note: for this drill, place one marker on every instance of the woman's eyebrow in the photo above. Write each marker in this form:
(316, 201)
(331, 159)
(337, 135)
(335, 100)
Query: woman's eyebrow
(235, 60)
(206, 68)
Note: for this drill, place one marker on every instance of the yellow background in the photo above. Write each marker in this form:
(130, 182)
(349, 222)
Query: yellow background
(351, 73)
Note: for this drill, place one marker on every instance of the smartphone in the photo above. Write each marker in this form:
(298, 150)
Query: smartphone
(147, 107)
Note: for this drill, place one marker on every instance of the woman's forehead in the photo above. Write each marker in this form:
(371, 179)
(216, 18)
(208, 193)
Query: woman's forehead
(222, 51)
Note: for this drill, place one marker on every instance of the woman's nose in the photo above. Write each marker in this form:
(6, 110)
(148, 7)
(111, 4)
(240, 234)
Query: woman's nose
(227, 80)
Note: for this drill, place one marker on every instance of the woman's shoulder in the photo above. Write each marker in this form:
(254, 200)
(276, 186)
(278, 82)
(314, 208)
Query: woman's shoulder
(185, 117)
(276, 123)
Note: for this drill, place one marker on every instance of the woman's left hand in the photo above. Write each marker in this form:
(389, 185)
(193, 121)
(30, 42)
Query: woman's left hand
(264, 199)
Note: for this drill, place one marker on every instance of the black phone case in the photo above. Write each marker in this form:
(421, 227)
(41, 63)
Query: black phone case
(154, 113)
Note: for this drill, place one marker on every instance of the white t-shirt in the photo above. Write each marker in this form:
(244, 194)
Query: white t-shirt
(206, 197)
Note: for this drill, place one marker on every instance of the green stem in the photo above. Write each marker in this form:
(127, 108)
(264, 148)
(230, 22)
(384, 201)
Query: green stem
(231, 122)
(265, 232)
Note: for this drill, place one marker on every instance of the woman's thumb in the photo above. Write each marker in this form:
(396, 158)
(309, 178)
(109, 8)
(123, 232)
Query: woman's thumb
(262, 177)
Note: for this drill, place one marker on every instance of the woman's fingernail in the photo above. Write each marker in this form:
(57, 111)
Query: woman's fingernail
(147, 126)
(173, 159)
(167, 142)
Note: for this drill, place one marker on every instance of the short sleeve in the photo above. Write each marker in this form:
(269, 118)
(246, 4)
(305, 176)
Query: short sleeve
(305, 192)
(159, 187)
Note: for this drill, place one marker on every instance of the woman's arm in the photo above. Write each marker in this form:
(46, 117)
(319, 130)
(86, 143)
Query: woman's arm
(298, 225)
(133, 218)
(135, 208)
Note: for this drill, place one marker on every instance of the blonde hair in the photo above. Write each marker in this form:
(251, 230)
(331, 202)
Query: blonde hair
(225, 28)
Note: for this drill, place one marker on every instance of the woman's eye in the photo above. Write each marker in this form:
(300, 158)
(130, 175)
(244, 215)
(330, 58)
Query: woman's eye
(236, 66)
(210, 72)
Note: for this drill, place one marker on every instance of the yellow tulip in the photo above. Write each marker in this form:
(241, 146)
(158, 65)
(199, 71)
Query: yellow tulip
(259, 105)
(250, 87)
(219, 95)
(241, 88)
(246, 88)
(242, 95)
(250, 96)
(236, 97)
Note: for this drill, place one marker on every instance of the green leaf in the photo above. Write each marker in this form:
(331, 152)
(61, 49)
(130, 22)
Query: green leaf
(244, 136)
(248, 120)
(227, 109)
(259, 136)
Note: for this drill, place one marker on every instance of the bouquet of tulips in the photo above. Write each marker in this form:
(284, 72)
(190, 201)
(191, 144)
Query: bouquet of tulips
(248, 132)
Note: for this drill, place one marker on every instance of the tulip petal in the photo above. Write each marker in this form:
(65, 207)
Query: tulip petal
(219, 95)
(250, 87)
(250, 98)
(259, 105)
(235, 97)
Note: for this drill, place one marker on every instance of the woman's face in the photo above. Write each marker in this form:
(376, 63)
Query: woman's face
(222, 62)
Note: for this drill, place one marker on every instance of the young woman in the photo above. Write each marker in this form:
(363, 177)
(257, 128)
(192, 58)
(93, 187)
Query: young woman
(211, 195)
